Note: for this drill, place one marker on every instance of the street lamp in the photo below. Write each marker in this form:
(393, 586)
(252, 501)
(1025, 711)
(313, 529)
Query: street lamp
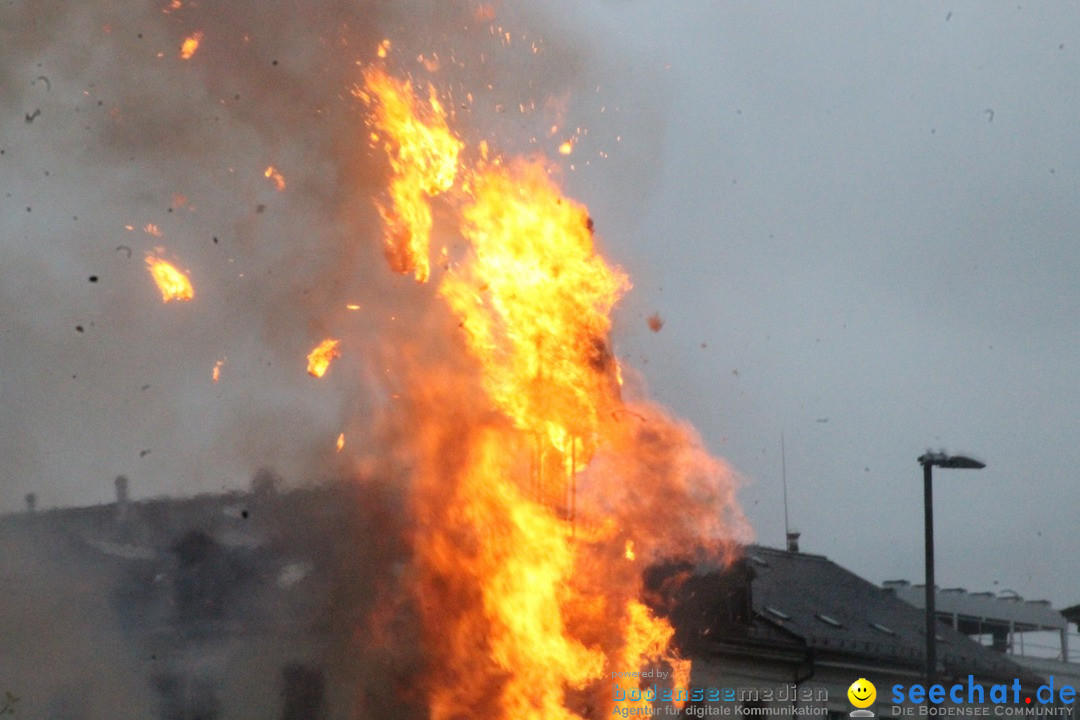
(929, 460)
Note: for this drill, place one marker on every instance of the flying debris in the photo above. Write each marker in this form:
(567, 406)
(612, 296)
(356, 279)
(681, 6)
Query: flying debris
(190, 45)
(173, 284)
(319, 358)
(989, 112)
(274, 174)
(655, 322)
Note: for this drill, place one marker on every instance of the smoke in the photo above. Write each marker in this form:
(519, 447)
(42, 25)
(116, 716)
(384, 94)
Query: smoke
(106, 128)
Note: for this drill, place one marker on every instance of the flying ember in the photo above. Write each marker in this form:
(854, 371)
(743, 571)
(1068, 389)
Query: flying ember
(319, 358)
(174, 285)
(190, 45)
(274, 174)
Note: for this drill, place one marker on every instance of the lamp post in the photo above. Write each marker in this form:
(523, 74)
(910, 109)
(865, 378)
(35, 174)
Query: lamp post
(929, 460)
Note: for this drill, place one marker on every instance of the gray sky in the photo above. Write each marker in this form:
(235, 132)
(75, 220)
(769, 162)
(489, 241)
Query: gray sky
(868, 213)
(854, 219)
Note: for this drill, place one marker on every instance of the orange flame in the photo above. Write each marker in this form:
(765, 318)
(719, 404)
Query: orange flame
(172, 283)
(273, 173)
(528, 598)
(318, 360)
(190, 45)
(535, 300)
(423, 155)
(216, 373)
(341, 442)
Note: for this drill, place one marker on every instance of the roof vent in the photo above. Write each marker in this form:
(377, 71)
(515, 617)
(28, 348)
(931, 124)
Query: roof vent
(828, 620)
(793, 541)
(882, 628)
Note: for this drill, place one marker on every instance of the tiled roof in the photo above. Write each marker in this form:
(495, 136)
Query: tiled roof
(832, 609)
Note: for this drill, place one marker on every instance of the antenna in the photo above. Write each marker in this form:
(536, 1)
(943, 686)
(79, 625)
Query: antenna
(783, 470)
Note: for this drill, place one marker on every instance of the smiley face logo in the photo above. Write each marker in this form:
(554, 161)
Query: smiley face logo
(862, 693)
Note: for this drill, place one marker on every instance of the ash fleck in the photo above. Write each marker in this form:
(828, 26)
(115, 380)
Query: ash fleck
(655, 322)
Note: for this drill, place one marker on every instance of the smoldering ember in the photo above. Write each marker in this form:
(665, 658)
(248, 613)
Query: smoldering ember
(359, 440)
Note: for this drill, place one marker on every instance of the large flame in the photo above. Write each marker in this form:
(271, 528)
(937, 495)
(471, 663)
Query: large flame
(530, 541)
(535, 301)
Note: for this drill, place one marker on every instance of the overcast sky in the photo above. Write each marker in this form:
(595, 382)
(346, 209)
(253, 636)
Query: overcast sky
(868, 213)
(856, 220)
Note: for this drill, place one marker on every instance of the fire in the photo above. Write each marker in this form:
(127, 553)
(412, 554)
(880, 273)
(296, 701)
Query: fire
(275, 175)
(216, 373)
(340, 442)
(174, 285)
(535, 302)
(423, 155)
(318, 360)
(523, 484)
(190, 45)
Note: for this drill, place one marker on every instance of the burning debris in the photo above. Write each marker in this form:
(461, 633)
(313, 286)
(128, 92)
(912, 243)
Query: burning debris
(319, 358)
(275, 175)
(173, 284)
(190, 45)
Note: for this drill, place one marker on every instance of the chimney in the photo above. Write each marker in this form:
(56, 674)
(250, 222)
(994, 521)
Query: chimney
(121, 497)
(31, 503)
(793, 541)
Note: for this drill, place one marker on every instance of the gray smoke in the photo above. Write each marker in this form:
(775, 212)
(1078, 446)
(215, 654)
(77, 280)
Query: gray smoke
(105, 127)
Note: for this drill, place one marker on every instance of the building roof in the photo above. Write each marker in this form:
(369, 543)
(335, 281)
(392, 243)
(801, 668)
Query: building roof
(1004, 611)
(832, 610)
